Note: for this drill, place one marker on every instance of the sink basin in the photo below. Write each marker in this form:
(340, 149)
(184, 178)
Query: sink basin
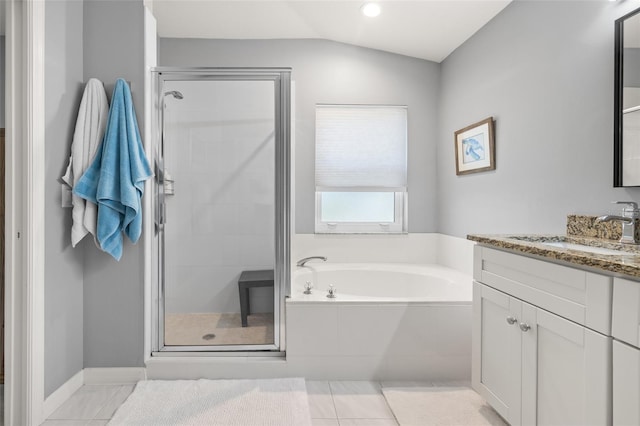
(587, 249)
(563, 242)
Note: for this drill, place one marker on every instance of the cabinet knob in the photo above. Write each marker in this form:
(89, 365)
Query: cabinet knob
(524, 327)
(512, 320)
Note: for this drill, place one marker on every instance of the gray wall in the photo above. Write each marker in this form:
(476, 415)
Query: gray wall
(113, 291)
(329, 72)
(544, 71)
(63, 265)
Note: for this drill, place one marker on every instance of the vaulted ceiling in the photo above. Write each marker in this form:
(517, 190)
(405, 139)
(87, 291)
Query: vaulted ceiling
(427, 29)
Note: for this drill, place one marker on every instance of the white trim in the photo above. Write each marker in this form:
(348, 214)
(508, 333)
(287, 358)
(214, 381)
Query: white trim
(114, 376)
(150, 60)
(214, 367)
(62, 394)
(398, 226)
(34, 205)
(13, 392)
(25, 212)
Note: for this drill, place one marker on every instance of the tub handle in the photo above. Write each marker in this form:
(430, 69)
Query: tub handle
(332, 292)
(512, 320)
(307, 287)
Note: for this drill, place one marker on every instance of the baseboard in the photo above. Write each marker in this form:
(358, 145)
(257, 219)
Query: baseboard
(64, 392)
(112, 376)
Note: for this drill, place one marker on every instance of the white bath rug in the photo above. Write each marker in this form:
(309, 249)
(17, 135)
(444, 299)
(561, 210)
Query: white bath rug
(435, 406)
(273, 402)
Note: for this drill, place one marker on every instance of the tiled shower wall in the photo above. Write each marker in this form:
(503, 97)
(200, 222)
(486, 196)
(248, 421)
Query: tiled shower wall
(220, 151)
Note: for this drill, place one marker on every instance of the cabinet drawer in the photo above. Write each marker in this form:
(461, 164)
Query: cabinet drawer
(626, 311)
(580, 296)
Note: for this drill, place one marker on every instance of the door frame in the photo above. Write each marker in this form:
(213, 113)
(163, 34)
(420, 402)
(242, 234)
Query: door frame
(25, 207)
(281, 77)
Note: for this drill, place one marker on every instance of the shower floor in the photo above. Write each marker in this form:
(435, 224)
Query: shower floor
(217, 329)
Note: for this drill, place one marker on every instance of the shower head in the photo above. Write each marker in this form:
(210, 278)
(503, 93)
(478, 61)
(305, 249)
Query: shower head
(175, 94)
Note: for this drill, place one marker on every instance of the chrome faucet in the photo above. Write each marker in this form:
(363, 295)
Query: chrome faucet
(307, 287)
(331, 292)
(302, 262)
(630, 214)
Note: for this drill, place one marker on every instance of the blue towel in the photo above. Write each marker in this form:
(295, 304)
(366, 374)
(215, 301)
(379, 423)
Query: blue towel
(115, 179)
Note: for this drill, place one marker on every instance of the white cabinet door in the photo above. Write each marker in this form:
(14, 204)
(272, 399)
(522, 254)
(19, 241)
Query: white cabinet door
(497, 350)
(626, 311)
(536, 368)
(565, 378)
(626, 384)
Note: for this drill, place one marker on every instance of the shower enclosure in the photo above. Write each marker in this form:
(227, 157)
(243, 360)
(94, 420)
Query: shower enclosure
(222, 208)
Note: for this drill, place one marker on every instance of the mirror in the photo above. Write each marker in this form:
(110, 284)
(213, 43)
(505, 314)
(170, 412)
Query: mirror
(626, 166)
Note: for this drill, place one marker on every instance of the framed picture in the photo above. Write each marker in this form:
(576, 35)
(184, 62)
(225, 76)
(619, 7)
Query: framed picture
(475, 148)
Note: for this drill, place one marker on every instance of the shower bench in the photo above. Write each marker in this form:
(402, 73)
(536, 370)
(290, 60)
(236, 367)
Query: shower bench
(250, 279)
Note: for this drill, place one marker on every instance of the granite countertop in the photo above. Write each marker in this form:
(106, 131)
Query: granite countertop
(627, 263)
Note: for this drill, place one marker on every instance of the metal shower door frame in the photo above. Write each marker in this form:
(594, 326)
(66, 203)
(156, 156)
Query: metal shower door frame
(281, 77)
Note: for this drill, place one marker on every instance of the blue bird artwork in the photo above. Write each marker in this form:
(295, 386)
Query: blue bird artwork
(473, 148)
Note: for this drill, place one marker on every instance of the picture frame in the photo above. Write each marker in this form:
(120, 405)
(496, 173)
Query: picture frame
(475, 147)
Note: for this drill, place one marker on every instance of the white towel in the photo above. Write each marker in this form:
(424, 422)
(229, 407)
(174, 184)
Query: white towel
(90, 127)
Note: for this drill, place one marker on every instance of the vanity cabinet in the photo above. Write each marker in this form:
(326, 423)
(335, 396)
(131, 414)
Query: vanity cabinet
(541, 340)
(626, 352)
(497, 350)
(626, 384)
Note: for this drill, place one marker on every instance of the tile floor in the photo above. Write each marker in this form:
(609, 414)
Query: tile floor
(332, 403)
(91, 405)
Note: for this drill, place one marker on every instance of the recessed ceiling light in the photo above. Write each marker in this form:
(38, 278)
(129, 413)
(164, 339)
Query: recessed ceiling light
(370, 9)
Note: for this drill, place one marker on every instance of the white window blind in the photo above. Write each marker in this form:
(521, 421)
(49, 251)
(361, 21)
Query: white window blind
(361, 147)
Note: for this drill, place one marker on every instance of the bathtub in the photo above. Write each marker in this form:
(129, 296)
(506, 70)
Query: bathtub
(375, 282)
(387, 322)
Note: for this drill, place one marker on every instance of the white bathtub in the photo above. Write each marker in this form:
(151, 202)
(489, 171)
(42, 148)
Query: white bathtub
(382, 282)
(388, 322)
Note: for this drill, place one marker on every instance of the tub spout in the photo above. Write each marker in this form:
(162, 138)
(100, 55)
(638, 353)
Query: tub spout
(302, 262)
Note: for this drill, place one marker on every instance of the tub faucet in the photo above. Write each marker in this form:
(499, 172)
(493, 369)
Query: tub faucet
(307, 287)
(302, 262)
(630, 213)
(331, 292)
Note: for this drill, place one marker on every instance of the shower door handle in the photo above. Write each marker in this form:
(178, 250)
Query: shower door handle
(163, 213)
(160, 217)
(161, 210)
(165, 187)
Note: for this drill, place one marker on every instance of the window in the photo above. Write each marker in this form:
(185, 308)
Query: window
(361, 168)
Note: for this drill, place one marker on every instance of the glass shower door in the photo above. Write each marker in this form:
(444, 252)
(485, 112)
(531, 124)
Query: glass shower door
(219, 154)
